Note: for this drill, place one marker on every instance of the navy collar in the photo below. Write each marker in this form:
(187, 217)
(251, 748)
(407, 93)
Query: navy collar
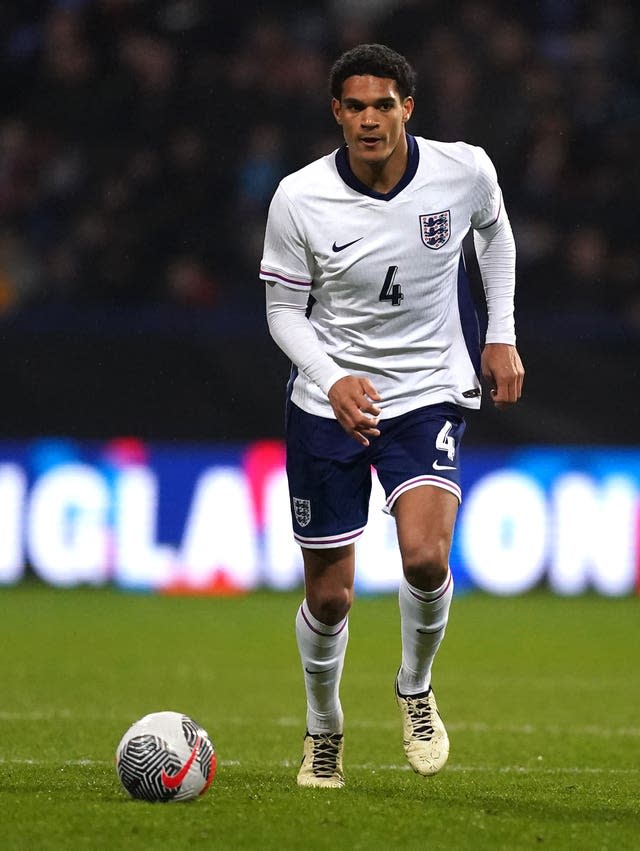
(344, 170)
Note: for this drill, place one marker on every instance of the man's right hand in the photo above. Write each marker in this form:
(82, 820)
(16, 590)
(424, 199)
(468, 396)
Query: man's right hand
(352, 399)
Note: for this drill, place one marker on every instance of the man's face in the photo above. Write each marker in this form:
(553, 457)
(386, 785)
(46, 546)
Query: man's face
(372, 116)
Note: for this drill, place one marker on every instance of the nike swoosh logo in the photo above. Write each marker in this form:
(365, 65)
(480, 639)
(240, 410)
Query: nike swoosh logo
(336, 247)
(321, 671)
(172, 781)
(437, 466)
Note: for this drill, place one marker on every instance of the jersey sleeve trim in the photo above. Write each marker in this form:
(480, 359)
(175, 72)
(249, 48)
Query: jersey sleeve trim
(497, 216)
(288, 280)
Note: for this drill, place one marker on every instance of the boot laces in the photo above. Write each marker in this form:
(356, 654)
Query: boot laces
(420, 714)
(325, 754)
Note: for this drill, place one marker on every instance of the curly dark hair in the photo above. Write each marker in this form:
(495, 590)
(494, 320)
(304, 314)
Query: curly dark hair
(378, 60)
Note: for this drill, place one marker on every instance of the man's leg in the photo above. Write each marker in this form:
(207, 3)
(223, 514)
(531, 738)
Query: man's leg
(322, 634)
(425, 518)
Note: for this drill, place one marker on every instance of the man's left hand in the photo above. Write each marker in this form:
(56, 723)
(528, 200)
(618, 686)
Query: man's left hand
(503, 371)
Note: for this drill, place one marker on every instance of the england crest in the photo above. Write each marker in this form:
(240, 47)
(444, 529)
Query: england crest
(302, 511)
(435, 229)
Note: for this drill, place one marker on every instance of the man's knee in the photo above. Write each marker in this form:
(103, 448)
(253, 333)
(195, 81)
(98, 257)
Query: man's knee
(329, 605)
(328, 579)
(426, 566)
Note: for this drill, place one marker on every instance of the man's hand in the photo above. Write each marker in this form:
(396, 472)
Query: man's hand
(352, 401)
(503, 371)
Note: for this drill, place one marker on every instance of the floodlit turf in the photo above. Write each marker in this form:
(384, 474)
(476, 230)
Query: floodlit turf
(540, 696)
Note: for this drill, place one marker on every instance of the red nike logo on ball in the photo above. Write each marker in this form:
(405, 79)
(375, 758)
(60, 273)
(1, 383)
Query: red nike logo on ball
(172, 781)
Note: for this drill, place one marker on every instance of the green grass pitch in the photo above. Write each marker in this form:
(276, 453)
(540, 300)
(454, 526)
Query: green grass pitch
(540, 696)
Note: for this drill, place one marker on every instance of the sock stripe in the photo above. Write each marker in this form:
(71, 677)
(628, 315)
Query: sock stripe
(319, 632)
(431, 599)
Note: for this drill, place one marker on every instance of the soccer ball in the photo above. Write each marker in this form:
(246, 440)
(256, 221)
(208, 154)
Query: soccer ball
(166, 756)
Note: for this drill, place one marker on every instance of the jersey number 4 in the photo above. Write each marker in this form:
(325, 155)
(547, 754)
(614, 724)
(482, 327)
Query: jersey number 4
(390, 291)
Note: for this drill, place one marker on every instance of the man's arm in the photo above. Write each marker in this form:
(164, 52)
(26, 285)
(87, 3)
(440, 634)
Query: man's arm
(501, 364)
(351, 396)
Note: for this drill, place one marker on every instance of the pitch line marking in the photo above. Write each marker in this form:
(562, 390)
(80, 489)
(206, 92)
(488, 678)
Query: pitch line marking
(481, 727)
(452, 726)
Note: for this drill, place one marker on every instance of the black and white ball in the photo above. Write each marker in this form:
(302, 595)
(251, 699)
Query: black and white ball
(166, 756)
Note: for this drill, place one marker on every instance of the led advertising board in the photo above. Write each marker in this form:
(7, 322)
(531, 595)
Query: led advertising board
(215, 519)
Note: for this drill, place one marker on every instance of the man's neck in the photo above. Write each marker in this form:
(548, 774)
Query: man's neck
(383, 176)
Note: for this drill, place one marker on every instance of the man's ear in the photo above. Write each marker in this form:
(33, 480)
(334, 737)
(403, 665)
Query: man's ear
(336, 108)
(407, 108)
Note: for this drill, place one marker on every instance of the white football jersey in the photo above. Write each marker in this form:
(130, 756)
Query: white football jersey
(389, 297)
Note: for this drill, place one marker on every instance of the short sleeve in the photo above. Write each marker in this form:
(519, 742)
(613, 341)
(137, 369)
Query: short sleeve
(487, 197)
(286, 258)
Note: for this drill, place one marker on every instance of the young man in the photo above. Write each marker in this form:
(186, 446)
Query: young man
(367, 295)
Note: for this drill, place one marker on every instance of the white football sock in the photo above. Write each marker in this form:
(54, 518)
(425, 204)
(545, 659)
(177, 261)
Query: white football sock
(423, 620)
(322, 651)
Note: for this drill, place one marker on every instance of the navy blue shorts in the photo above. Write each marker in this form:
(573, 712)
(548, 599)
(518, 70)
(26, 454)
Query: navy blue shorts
(329, 472)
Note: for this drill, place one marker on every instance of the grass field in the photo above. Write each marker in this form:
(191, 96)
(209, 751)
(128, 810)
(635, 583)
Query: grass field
(540, 696)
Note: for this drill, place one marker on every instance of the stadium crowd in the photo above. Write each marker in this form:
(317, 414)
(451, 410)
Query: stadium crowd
(140, 142)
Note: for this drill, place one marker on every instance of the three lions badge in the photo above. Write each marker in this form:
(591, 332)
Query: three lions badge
(435, 229)
(302, 511)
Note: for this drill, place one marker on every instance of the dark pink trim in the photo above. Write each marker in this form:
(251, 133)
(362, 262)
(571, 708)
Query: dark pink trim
(317, 631)
(328, 542)
(432, 599)
(275, 277)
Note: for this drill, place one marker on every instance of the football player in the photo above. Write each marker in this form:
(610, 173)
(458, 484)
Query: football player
(368, 296)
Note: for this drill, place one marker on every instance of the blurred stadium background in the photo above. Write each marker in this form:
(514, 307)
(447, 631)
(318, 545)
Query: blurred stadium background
(140, 144)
